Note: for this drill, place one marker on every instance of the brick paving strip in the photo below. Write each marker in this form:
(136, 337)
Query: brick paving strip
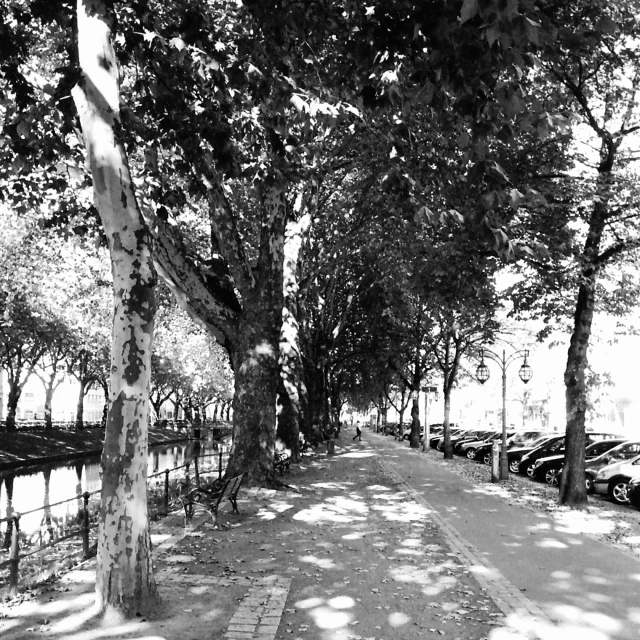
(505, 595)
(259, 612)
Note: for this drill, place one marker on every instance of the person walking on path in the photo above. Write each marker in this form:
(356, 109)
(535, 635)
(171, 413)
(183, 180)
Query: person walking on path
(358, 434)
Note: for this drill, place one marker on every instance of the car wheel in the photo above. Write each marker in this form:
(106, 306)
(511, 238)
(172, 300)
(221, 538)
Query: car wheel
(588, 481)
(531, 470)
(487, 459)
(618, 490)
(514, 466)
(471, 453)
(551, 477)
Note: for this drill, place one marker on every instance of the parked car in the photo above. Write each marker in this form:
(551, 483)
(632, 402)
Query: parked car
(633, 491)
(470, 447)
(474, 436)
(516, 454)
(549, 468)
(555, 446)
(466, 434)
(390, 428)
(520, 439)
(433, 442)
(613, 480)
(625, 451)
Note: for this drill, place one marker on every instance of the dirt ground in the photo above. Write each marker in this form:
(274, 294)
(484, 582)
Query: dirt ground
(342, 554)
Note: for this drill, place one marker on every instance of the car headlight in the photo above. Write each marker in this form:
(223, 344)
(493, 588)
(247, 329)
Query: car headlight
(600, 475)
(634, 482)
(537, 463)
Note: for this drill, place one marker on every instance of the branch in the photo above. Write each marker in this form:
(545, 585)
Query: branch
(209, 298)
(615, 250)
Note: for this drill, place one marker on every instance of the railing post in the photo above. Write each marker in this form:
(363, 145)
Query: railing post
(85, 525)
(220, 464)
(166, 492)
(14, 556)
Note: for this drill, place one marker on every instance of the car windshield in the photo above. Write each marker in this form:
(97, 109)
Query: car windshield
(624, 451)
(529, 437)
(536, 443)
(598, 448)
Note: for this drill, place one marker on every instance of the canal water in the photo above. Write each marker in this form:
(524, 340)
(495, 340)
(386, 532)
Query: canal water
(52, 486)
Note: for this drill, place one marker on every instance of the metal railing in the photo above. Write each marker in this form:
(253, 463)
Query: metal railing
(70, 425)
(21, 568)
(39, 425)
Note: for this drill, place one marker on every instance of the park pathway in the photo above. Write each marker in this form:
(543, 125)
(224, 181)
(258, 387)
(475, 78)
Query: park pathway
(537, 568)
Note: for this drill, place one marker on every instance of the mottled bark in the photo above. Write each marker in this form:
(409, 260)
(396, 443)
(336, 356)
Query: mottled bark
(255, 353)
(572, 487)
(124, 581)
(287, 426)
(448, 449)
(8, 510)
(290, 358)
(50, 385)
(414, 438)
(80, 407)
(13, 397)
(48, 408)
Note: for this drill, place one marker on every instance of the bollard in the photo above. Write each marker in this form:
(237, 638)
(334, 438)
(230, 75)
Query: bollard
(495, 461)
(166, 492)
(331, 447)
(220, 464)
(14, 556)
(85, 525)
(196, 472)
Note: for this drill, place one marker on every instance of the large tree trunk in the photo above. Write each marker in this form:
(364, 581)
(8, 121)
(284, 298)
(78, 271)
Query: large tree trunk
(8, 511)
(315, 397)
(80, 406)
(448, 449)
(572, 488)
(50, 385)
(288, 418)
(290, 361)
(124, 583)
(414, 438)
(255, 352)
(48, 403)
(13, 398)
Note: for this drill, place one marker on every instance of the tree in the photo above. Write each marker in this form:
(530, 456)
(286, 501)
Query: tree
(589, 73)
(22, 345)
(124, 581)
(57, 343)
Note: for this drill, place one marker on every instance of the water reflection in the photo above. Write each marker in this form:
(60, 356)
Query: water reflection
(45, 490)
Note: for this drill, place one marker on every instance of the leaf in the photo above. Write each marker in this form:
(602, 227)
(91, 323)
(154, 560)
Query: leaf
(299, 103)
(469, 10)
(178, 43)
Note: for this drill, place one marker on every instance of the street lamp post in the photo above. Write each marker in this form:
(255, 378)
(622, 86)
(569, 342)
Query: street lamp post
(482, 375)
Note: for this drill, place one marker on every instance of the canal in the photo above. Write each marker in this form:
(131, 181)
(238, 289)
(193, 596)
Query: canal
(42, 493)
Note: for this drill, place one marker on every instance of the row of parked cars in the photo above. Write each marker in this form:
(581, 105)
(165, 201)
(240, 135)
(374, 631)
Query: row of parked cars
(612, 461)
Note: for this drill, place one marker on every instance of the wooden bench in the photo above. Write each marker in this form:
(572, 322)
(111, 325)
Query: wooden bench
(282, 463)
(210, 500)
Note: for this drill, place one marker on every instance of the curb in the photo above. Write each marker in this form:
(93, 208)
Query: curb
(505, 595)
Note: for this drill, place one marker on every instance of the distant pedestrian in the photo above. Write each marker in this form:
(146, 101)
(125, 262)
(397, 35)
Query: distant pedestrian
(358, 434)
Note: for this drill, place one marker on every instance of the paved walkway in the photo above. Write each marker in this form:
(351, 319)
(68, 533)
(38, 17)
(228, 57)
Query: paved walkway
(374, 543)
(535, 569)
